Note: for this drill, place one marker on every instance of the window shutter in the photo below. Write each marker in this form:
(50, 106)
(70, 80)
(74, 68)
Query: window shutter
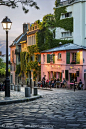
(48, 58)
(78, 58)
(68, 58)
(53, 58)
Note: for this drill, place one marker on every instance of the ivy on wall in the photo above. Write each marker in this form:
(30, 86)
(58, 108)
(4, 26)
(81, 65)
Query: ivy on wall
(56, 42)
(18, 69)
(67, 23)
(32, 49)
(23, 61)
(45, 40)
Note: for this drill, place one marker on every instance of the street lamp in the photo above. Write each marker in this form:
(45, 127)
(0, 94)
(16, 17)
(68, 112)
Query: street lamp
(6, 23)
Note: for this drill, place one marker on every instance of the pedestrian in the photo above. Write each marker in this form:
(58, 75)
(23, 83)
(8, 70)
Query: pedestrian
(43, 80)
(62, 84)
(52, 83)
(55, 82)
(80, 84)
(74, 85)
(43, 83)
(47, 83)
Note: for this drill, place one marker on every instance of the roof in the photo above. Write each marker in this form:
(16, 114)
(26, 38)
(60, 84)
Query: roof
(21, 37)
(33, 32)
(68, 46)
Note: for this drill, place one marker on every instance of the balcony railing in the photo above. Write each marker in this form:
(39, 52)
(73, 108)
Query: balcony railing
(66, 2)
(17, 51)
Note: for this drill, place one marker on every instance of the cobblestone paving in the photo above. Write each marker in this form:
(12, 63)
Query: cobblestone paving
(62, 109)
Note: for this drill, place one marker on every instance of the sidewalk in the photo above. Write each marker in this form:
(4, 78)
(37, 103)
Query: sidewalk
(16, 97)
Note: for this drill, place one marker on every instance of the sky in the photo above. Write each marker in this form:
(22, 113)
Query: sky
(18, 17)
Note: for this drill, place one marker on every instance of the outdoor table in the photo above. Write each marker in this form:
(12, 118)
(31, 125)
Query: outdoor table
(71, 84)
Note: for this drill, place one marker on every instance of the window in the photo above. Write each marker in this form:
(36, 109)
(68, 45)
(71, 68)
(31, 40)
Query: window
(74, 57)
(43, 58)
(51, 57)
(67, 15)
(66, 34)
(59, 55)
(35, 27)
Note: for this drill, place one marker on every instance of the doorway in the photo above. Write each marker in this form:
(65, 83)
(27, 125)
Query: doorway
(85, 80)
(72, 76)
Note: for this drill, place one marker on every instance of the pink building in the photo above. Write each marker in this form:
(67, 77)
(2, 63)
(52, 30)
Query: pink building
(13, 63)
(66, 61)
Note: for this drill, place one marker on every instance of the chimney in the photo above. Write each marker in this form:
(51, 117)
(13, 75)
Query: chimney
(25, 27)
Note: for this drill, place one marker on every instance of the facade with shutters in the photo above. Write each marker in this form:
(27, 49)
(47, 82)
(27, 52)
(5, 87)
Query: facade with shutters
(67, 61)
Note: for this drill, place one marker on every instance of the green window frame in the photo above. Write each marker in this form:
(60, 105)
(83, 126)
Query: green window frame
(68, 58)
(48, 58)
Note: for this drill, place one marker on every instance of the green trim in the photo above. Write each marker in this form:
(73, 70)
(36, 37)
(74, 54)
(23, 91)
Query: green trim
(68, 58)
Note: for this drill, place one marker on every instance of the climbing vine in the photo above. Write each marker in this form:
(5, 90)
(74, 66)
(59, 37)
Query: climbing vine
(18, 69)
(23, 61)
(67, 23)
(45, 39)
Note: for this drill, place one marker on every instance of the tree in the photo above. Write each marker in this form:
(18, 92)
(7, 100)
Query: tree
(14, 4)
(2, 68)
(2, 64)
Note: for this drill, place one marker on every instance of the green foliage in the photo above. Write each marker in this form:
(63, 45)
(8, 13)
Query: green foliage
(64, 24)
(2, 64)
(67, 23)
(17, 69)
(57, 3)
(32, 65)
(24, 3)
(2, 72)
(56, 42)
(23, 61)
(34, 75)
(32, 49)
(36, 69)
(2, 68)
(58, 12)
(49, 20)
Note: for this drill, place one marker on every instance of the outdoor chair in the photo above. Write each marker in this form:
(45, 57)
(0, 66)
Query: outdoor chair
(80, 87)
(65, 84)
(58, 84)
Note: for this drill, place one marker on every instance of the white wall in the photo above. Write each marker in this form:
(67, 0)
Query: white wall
(78, 10)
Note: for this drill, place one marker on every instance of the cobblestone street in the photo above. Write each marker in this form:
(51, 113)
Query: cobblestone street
(57, 109)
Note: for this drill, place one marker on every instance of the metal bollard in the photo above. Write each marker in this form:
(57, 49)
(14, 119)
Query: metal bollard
(35, 91)
(19, 87)
(12, 87)
(27, 92)
(15, 87)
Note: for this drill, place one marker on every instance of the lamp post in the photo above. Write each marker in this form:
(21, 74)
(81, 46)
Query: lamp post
(6, 23)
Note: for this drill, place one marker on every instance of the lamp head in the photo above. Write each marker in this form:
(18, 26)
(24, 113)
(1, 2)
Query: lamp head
(6, 23)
